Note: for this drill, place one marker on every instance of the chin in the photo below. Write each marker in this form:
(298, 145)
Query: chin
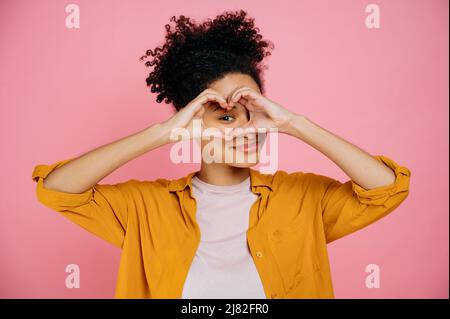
(242, 165)
(246, 162)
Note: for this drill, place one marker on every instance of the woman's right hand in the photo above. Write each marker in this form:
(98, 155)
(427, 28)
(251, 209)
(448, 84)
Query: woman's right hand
(86, 170)
(194, 110)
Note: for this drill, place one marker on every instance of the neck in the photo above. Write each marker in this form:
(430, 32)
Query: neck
(221, 174)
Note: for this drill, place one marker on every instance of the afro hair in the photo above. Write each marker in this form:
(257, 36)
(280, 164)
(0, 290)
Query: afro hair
(195, 55)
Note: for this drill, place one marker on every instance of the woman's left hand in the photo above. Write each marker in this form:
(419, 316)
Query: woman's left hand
(264, 113)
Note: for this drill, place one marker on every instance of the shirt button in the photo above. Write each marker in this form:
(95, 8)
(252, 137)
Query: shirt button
(259, 254)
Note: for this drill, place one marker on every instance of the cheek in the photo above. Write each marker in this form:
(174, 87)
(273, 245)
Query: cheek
(208, 120)
(241, 121)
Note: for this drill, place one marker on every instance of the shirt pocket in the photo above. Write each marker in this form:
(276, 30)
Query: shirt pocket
(295, 252)
(287, 231)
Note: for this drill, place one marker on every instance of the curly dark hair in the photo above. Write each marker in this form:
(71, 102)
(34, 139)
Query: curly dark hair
(194, 56)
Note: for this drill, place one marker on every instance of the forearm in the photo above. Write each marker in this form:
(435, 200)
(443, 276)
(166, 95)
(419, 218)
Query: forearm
(85, 171)
(359, 165)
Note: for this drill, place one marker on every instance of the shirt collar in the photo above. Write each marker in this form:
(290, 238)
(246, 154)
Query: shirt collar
(256, 179)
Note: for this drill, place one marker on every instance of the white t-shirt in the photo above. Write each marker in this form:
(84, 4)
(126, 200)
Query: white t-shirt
(222, 266)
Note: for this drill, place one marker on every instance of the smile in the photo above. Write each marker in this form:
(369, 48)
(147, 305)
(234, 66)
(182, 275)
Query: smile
(247, 147)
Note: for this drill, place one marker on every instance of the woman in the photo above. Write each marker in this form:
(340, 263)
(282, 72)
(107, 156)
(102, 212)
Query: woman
(226, 230)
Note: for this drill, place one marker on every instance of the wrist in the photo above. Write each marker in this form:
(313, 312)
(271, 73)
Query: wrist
(158, 134)
(294, 125)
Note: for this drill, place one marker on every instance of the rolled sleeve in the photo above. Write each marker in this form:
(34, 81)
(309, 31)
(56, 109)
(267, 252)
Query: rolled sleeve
(102, 209)
(379, 195)
(348, 207)
(55, 199)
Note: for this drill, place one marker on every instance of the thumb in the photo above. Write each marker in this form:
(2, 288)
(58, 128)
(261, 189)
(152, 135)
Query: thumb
(197, 128)
(199, 112)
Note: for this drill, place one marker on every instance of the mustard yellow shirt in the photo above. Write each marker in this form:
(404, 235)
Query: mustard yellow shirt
(293, 218)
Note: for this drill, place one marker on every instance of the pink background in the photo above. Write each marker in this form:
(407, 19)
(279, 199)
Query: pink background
(66, 91)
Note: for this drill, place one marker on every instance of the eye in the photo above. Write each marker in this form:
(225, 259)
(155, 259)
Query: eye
(226, 118)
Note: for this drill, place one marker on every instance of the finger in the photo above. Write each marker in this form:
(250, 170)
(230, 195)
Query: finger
(248, 106)
(200, 113)
(215, 93)
(246, 93)
(237, 98)
(213, 97)
(199, 103)
(244, 88)
(240, 100)
(239, 89)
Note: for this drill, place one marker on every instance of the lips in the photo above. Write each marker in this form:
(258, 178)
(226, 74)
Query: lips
(248, 146)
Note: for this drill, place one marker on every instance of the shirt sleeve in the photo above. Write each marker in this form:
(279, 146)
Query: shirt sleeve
(102, 209)
(348, 207)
